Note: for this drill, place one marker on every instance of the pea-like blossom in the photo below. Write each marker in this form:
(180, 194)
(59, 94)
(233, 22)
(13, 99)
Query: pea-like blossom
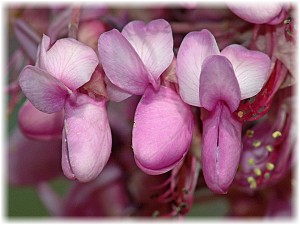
(217, 82)
(273, 13)
(133, 61)
(51, 86)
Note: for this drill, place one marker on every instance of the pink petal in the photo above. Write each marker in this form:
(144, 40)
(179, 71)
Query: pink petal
(257, 13)
(88, 138)
(105, 196)
(221, 148)
(41, 52)
(65, 162)
(121, 63)
(218, 83)
(38, 125)
(32, 161)
(44, 91)
(115, 93)
(251, 68)
(71, 62)
(153, 42)
(195, 47)
(162, 131)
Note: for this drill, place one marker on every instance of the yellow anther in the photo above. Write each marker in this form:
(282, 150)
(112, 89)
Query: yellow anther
(250, 133)
(253, 185)
(256, 143)
(267, 175)
(257, 171)
(250, 180)
(251, 161)
(276, 134)
(270, 166)
(240, 114)
(269, 148)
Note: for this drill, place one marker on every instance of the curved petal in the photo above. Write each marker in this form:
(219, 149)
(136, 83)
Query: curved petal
(44, 91)
(71, 62)
(162, 131)
(195, 47)
(257, 13)
(88, 138)
(115, 93)
(38, 125)
(221, 148)
(153, 42)
(41, 52)
(251, 68)
(121, 63)
(32, 161)
(218, 83)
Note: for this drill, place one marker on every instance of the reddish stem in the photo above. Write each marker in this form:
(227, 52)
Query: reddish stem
(73, 25)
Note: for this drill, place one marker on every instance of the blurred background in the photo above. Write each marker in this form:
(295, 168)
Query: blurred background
(36, 186)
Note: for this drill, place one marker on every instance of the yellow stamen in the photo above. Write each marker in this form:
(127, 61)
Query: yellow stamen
(270, 166)
(257, 171)
(250, 180)
(276, 134)
(256, 143)
(250, 133)
(240, 114)
(253, 185)
(251, 161)
(267, 175)
(269, 148)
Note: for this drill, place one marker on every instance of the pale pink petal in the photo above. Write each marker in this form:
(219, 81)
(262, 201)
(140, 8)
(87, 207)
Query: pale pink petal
(221, 148)
(71, 62)
(44, 91)
(257, 13)
(121, 63)
(41, 52)
(153, 42)
(115, 93)
(252, 68)
(218, 83)
(88, 137)
(162, 131)
(195, 47)
(38, 125)
(32, 161)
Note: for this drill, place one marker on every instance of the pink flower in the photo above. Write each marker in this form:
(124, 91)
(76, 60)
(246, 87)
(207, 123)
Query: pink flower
(273, 13)
(133, 61)
(218, 82)
(51, 86)
(136, 57)
(32, 161)
(104, 196)
(39, 125)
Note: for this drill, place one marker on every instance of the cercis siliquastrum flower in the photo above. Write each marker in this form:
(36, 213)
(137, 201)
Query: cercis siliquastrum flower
(217, 82)
(133, 61)
(52, 86)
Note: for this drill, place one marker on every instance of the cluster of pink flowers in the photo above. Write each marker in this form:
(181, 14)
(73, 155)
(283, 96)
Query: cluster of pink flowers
(192, 107)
